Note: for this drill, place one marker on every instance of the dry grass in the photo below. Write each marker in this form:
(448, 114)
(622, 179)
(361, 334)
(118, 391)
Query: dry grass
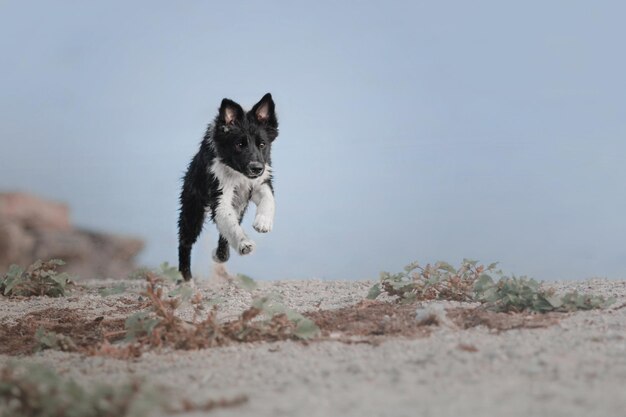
(369, 319)
(171, 331)
(20, 339)
(157, 326)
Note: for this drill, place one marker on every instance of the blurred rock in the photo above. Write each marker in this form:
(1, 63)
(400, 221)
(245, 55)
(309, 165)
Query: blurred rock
(34, 213)
(32, 228)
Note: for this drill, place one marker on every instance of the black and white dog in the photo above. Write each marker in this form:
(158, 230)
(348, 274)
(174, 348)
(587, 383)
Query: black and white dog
(232, 167)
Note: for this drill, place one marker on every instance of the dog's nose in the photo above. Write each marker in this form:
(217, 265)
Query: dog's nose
(255, 168)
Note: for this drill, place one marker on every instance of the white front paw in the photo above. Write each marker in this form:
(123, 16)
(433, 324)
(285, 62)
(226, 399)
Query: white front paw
(263, 224)
(245, 247)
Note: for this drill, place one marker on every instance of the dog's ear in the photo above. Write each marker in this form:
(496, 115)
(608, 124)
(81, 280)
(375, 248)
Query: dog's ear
(263, 111)
(230, 112)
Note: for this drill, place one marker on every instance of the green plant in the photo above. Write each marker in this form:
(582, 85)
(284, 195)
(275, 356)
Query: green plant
(169, 273)
(41, 278)
(245, 282)
(140, 324)
(522, 293)
(51, 340)
(432, 282)
(33, 391)
(273, 307)
(139, 274)
(165, 272)
(475, 283)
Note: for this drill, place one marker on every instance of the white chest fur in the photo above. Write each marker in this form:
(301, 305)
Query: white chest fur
(237, 191)
(236, 188)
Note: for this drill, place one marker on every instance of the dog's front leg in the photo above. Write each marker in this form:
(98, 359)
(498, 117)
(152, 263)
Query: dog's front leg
(263, 197)
(227, 221)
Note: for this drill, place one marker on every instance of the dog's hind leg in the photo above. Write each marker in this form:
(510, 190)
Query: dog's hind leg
(222, 252)
(190, 224)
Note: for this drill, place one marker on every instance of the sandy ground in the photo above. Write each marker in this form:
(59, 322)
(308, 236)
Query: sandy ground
(574, 368)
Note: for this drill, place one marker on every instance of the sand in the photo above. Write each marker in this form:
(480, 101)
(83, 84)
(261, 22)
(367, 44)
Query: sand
(576, 367)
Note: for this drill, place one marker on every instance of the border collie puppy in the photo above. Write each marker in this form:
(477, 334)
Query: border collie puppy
(232, 167)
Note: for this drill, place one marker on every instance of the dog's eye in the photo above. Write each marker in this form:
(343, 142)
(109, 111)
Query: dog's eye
(262, 145)
(241, 145)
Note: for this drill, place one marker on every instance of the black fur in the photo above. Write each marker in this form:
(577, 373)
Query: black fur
(240, 140)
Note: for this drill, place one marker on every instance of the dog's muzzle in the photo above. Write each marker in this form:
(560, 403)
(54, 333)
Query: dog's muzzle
(255, 169)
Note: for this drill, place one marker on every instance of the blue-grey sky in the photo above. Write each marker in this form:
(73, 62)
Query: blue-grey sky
(409, 130)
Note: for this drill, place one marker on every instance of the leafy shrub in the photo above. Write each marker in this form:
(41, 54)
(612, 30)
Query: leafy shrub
(41, 278)
(474, 282)
(33, 391)
(273, 307)
(440, 281)
(522, 293)
(245, 282)
(55, 341)
(39, 392)
(140, 324)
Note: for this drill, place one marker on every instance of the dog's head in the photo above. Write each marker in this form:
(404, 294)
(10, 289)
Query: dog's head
(243, 141)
